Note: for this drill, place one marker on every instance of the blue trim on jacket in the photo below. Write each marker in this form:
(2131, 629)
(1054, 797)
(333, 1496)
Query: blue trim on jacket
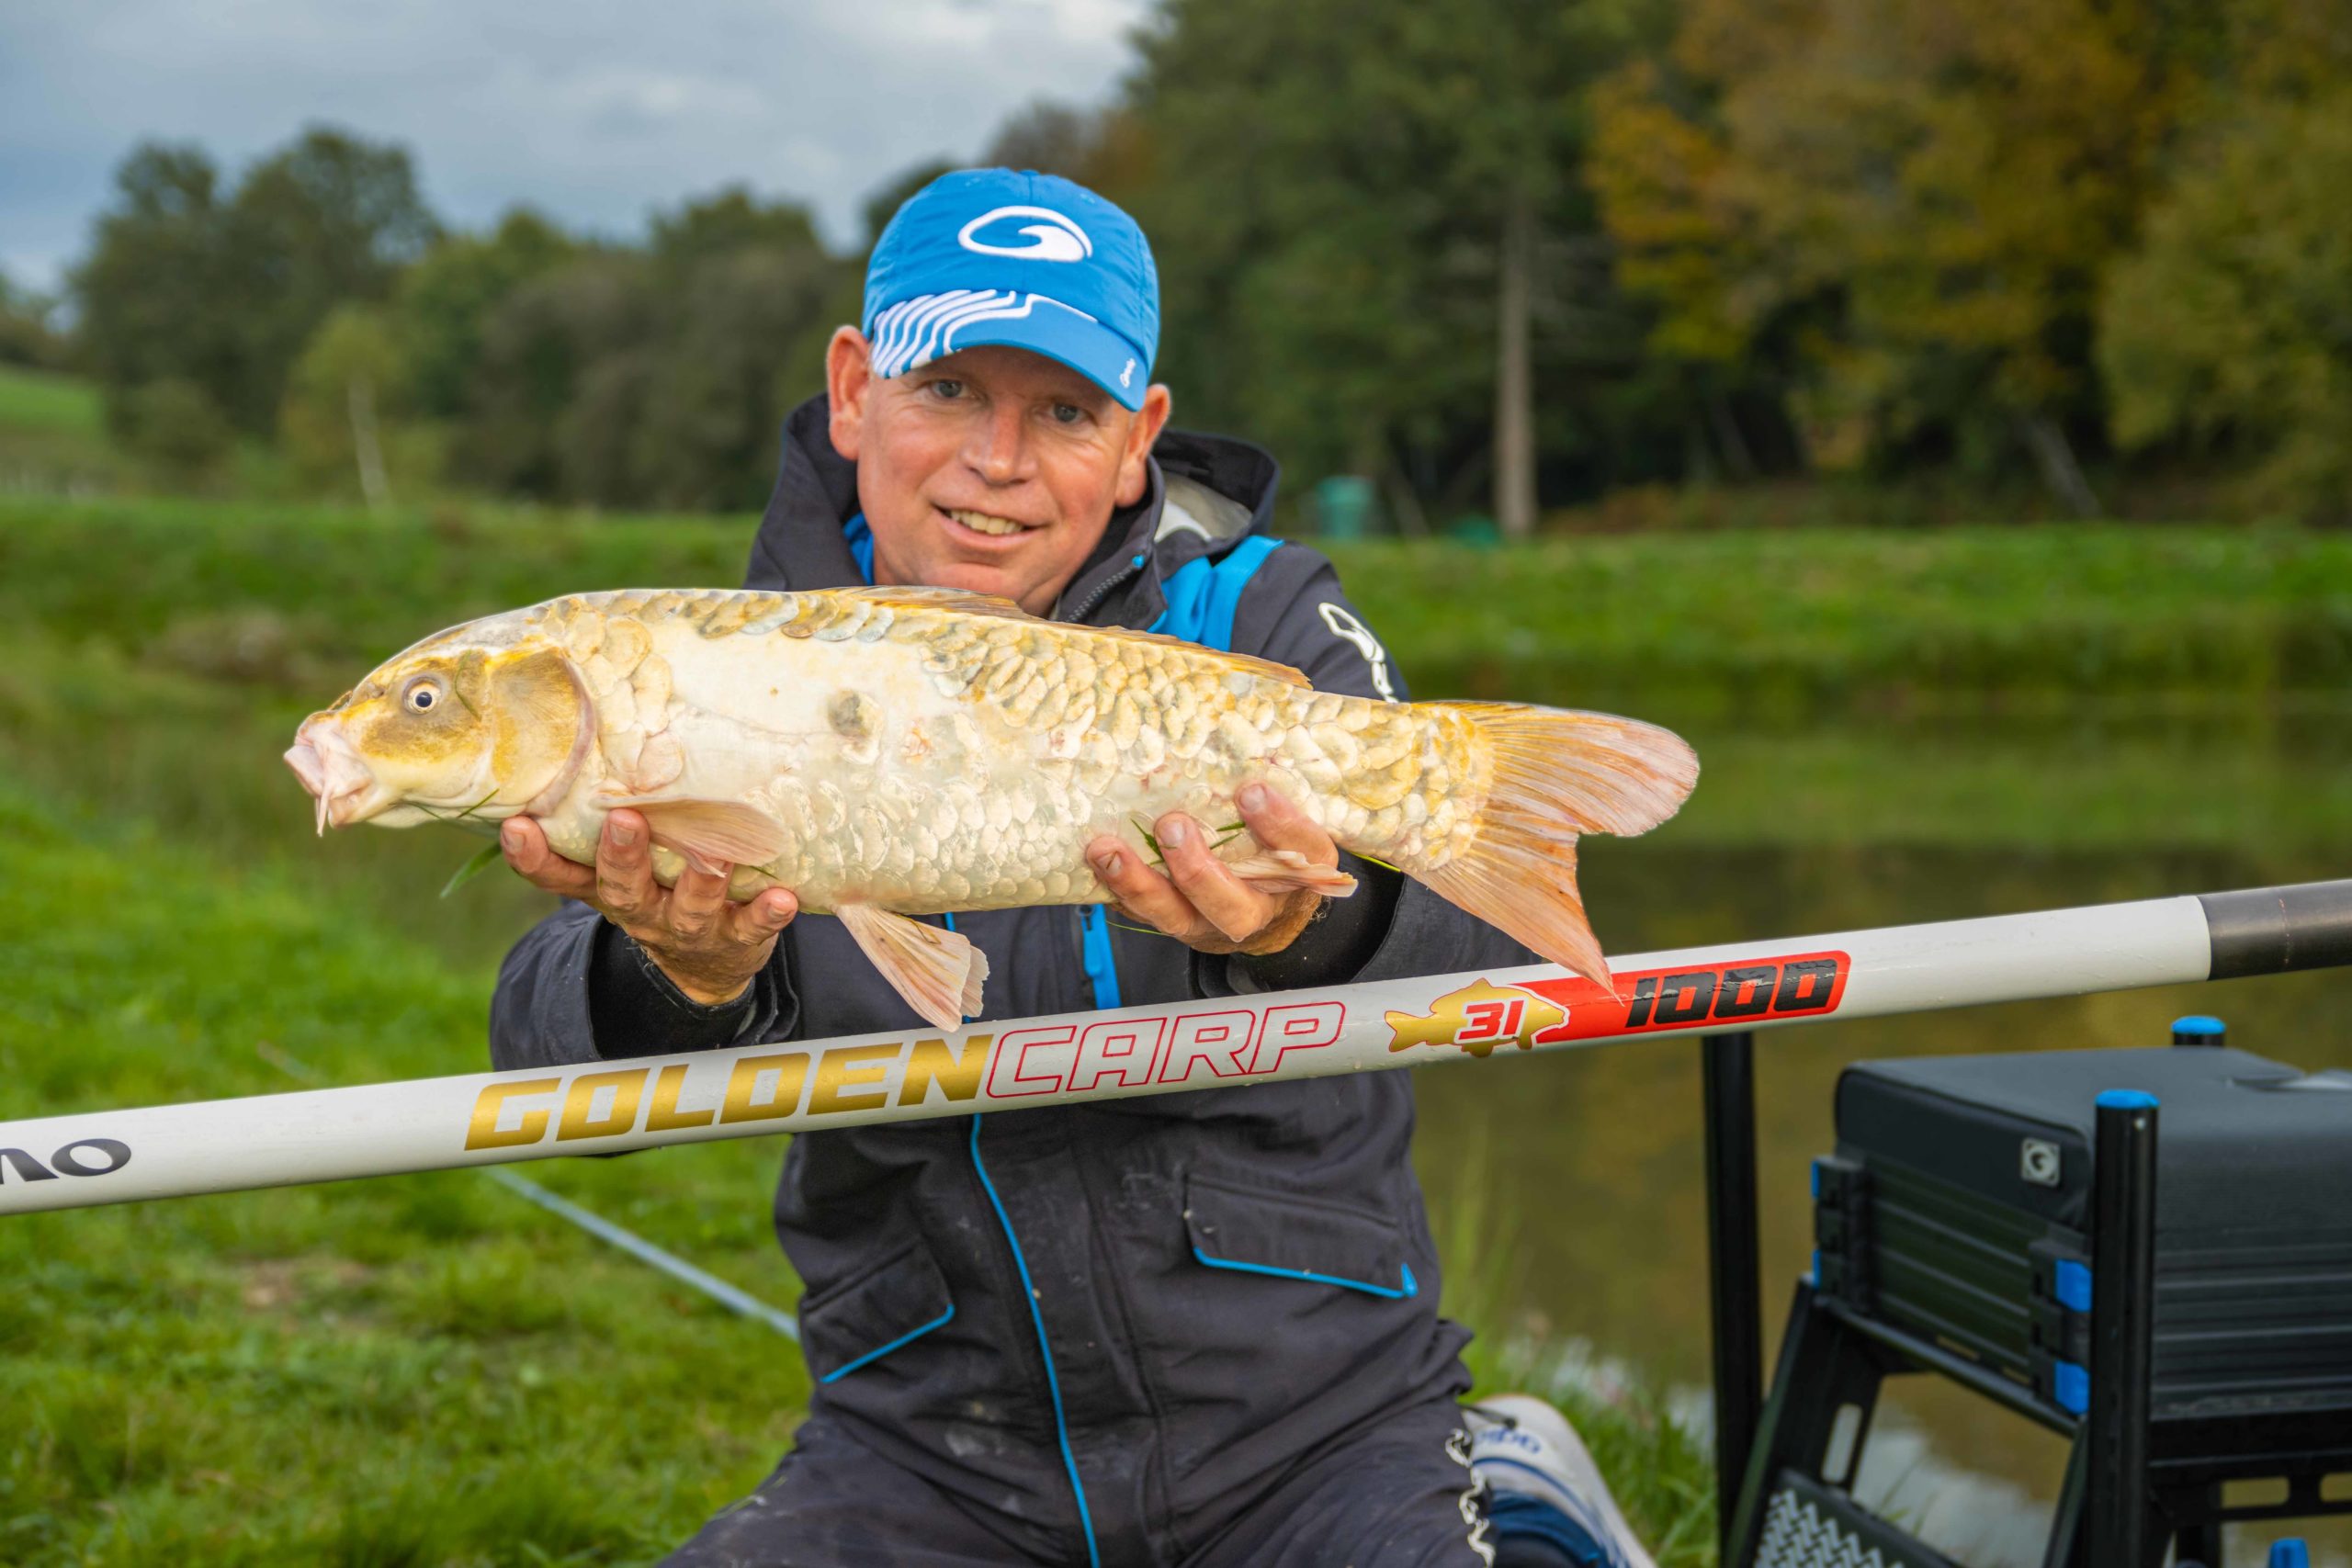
(1408, 1289)
(881, 1351)
(1045, 1349)
(1202, 594)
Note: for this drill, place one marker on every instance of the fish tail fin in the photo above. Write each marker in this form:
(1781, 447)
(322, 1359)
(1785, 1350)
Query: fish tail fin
(1552, 775)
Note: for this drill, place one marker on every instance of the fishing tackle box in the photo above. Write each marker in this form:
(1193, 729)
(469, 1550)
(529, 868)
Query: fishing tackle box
(1957, 1205)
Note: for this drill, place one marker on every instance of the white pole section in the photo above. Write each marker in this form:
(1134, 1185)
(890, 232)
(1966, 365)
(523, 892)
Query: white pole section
(605, 1107)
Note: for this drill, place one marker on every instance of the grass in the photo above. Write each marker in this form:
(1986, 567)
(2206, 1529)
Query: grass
(52, 440)
(47, 401)
(1661, 1476)
(418, 1370)
(1726, 628)
(1765, 627)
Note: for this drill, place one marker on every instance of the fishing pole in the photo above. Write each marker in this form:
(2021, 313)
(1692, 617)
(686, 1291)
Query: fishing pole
(612, 1106)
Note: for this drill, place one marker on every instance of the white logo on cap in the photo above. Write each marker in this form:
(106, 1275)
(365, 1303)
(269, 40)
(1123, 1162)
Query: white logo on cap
(1055, 240)
(1127, 375)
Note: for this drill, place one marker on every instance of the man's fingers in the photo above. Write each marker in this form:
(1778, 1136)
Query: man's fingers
(1277, 824)
(757, 920)
(525, 844)
(625, 885)
(1142, 892)
(1205, 883)
(697, 899)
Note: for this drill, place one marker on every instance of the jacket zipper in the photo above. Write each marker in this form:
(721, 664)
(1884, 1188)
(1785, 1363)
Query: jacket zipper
(1101, 590)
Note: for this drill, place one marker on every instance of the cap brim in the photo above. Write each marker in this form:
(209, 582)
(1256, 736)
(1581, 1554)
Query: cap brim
(1046, 326)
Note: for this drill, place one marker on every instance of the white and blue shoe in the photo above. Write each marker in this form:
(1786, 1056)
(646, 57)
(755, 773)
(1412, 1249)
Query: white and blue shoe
(1541, 1486)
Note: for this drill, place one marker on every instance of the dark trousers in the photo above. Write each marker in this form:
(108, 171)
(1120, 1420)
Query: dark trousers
(1397, 1496)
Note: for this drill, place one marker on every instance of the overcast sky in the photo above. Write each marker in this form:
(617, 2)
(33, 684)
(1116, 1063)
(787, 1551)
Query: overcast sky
(593, 111)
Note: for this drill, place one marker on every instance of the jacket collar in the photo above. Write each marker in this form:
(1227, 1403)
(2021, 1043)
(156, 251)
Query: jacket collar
(800, 544)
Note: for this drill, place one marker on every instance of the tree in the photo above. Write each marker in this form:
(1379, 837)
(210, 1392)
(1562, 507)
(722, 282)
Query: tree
(652, 377)
(1373, 238)
(154, 289)
(713, 403)
(2227, 330)
(342, 423)
(172, 425)
(446, 296)
(540, 346)
(1053, 138)
(28, 331)
(730, 221)
(1909, 205)
(223, 293)
(327, 222)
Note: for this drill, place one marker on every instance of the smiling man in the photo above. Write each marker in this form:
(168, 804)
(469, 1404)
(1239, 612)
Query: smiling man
(1194, 1329)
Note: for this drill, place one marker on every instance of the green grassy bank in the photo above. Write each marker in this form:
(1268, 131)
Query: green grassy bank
(53, 436)
(1789, 622)
(414, 1370)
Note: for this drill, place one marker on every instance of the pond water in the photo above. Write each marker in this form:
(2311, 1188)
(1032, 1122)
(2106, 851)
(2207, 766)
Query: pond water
(1592, 1158)
(1579, 1172)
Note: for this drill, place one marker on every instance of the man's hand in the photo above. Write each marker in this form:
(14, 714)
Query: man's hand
(709, 946)
(1197, 900)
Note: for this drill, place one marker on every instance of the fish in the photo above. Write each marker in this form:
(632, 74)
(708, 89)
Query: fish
(892, 753)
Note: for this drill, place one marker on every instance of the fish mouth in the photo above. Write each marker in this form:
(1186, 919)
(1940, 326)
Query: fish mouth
(342, 786)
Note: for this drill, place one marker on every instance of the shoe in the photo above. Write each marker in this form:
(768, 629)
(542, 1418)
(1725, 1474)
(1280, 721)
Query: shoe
(1542, 1483)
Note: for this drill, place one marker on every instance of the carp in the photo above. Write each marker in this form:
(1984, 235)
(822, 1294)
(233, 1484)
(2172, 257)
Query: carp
(891, 753)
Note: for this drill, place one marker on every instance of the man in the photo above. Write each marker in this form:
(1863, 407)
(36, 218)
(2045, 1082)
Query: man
(1046, 1337)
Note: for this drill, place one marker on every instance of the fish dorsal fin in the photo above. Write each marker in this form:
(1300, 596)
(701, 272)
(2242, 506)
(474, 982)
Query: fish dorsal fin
(955, 600)
(1240, 664)
(961, 601)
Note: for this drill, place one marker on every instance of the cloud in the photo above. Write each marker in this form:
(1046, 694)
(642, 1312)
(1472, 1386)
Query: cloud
(595, 111)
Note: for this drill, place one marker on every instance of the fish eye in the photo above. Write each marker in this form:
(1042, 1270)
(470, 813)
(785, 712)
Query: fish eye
(421, 695)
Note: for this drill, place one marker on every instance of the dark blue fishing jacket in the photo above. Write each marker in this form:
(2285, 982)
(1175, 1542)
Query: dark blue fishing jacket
(1063, 1317)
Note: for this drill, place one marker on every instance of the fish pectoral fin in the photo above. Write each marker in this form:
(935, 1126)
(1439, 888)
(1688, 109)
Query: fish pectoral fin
(1285, 871)
(938, 972)
(710, 833)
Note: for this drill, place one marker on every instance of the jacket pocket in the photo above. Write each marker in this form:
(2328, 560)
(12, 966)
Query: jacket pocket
(856, 1324)
(1288, 1237)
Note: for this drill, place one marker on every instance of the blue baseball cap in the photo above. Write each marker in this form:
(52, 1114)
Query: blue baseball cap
(1015, 257)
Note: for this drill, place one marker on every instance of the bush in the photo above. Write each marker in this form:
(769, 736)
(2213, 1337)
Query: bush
(2227, 328)
(173, 425)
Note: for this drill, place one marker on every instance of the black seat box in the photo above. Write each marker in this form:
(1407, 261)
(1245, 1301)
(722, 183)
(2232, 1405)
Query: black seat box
(1958, 1204)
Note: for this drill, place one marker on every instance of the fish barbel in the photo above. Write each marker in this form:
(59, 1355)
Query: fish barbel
(888, 752)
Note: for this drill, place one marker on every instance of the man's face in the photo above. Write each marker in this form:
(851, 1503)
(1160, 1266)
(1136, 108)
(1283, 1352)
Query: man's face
(993, 469)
